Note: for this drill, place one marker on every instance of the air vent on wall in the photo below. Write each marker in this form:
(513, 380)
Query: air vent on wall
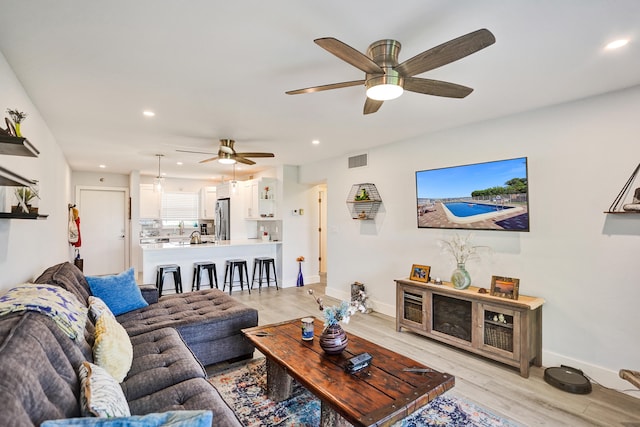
(358, 161)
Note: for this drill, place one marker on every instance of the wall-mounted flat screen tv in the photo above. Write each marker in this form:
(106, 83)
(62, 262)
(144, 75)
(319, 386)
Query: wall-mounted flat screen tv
(482, 196)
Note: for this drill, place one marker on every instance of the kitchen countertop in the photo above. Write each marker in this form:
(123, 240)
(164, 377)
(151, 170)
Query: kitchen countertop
(184, 255)
(221, 243)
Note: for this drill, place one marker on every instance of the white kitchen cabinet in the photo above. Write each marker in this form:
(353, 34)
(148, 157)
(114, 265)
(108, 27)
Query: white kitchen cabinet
(208, 202)
(150, 202)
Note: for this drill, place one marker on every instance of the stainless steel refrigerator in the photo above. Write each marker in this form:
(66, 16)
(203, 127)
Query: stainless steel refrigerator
(223, 219)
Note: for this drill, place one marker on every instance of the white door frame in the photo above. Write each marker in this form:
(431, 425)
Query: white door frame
(127, 214)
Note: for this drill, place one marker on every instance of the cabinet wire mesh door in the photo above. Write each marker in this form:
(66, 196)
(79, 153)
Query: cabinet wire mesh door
(363, 201)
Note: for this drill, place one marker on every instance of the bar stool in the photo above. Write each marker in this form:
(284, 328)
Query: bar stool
(229, 266)
(264, 265)
(165, 269)
(209, 267)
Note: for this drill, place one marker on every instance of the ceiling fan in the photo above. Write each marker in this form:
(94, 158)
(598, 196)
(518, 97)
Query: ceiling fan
(228, 155)
(386, 79)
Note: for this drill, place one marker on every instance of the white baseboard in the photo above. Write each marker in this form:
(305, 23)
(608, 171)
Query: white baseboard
(598, 374)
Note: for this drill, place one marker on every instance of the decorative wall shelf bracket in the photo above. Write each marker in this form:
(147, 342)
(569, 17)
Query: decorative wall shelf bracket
(363, 201)
(618, 206)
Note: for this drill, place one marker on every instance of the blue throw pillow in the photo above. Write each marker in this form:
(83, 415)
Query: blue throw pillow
(120, 292)
(164, 419)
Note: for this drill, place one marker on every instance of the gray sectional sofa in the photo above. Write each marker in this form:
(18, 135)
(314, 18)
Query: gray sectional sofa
(172, 339)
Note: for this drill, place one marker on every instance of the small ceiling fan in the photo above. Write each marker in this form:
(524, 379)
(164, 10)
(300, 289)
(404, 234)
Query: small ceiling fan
(386, 79)
(228, 155)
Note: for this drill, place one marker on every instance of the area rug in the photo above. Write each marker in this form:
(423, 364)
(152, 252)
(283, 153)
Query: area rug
(244, 389)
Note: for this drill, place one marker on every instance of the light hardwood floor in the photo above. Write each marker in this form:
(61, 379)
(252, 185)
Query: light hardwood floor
(495, 387)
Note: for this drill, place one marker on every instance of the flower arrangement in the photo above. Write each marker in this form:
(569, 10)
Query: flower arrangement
(300, 259)
(336, 313)
(461, 248)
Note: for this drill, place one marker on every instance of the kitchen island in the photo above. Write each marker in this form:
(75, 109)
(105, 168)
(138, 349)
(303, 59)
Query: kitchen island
(185, 254)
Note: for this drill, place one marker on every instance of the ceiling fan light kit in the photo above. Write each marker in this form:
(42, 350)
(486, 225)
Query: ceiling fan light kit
(386, 79)
(226, 159)
(383, 88)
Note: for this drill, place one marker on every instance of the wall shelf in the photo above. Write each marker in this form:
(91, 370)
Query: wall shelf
(17, 146)
(618, 206)
(363, 201)
(11, 179)
(6, 215)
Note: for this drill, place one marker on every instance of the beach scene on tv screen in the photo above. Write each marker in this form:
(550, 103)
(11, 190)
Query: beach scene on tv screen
(482, 196)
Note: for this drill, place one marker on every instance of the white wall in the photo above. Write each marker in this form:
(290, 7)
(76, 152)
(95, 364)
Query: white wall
(580, 260)
(27, 247)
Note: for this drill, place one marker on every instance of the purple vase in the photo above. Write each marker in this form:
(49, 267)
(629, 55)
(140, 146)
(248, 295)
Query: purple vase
(333, 339)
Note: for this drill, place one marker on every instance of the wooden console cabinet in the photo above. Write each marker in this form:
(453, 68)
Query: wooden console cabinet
(505, 330)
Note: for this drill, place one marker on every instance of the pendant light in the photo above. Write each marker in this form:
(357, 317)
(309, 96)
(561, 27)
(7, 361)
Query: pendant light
(234, 183)
(158, 182)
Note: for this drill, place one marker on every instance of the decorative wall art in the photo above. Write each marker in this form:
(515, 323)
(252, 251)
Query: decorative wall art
(482, 196)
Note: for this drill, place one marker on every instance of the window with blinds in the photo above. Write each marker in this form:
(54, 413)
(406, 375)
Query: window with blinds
(180, 206)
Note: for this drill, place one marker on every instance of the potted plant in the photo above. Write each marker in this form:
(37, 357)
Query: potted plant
(25, 195)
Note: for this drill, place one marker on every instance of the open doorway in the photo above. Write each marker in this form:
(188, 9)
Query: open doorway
(322, 232)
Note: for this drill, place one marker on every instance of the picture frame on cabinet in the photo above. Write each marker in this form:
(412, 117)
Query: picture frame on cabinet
(420, 273)
(504, 287)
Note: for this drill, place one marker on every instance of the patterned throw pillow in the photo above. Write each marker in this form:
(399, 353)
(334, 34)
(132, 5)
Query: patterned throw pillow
(60, 305)
(120, 291)
(112, 349)
(100, 394)
(163, 419)
(96, 308)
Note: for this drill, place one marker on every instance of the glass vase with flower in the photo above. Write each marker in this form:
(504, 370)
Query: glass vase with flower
(463, 251)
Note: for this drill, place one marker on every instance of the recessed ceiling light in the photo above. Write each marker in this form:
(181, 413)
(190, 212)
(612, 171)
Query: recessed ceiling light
(149, 113)
(102, 166)
(315, 142)
(617, 43)
(179, 163)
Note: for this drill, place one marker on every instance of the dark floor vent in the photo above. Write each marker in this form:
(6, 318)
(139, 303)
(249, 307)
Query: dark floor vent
(358, 161)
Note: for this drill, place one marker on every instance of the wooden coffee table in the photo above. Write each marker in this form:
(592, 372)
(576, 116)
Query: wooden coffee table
(379, 395)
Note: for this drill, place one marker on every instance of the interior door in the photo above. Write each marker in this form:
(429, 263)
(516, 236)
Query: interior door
(103, 229)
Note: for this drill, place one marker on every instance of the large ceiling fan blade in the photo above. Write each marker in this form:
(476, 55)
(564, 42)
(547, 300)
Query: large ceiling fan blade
(255, 154)
(209, 160)
(349, 55)
(325, 87)
(436, 87)
(241, 159)
(371, 106)
(194, 152)
(446, 53)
